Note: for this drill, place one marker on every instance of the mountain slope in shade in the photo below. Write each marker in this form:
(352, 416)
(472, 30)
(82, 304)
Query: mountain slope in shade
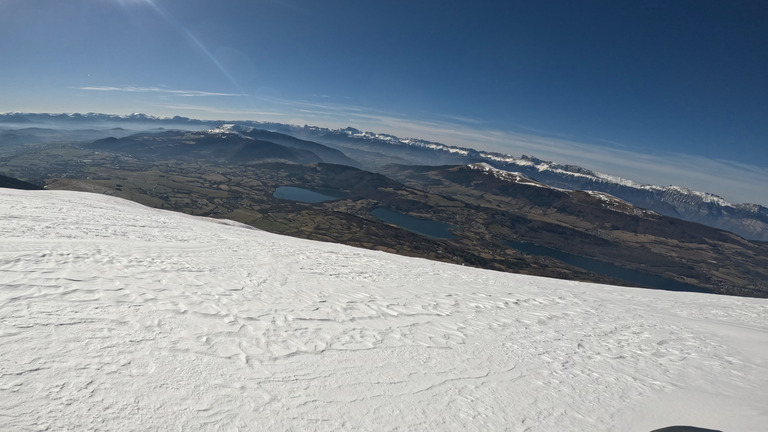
(114, 316)
(185, 145)
(13, 183)
(328, 154)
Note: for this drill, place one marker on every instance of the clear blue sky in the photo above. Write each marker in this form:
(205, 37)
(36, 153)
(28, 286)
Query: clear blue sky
(658, 92)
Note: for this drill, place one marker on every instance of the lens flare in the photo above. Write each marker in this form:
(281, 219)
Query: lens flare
(185, 32)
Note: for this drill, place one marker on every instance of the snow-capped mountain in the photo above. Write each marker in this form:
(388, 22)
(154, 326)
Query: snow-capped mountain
(114, 316)
(748, 220)
(515, 177)
(608, 201)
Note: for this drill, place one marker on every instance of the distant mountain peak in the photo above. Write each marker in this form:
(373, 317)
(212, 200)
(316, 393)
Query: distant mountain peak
(617, 204)
(510, 176)
(231, 129)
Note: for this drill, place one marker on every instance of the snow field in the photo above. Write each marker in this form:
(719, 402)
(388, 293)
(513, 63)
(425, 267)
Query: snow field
(114, 316)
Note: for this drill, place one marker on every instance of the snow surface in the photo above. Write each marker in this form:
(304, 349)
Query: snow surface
(114, 316)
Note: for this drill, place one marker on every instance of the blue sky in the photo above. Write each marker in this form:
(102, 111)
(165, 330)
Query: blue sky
(657, 92)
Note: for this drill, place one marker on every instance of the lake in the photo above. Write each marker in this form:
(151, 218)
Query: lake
(607, 269)
(425, 227)
(292, 193)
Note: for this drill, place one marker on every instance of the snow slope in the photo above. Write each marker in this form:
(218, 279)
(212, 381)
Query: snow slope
(114, 316)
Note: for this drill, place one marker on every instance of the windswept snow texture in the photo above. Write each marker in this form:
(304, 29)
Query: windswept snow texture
(114, 316)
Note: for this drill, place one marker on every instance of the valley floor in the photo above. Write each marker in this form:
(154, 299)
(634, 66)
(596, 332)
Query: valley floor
(114, 316)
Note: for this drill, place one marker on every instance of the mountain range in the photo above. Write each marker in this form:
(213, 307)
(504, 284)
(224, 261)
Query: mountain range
(381, 192)
(747, 220)
(372, 151)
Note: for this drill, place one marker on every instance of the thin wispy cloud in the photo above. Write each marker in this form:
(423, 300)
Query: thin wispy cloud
(158, 90)
(222, 113)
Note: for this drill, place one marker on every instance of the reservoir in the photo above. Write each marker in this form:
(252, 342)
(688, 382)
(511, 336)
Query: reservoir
(425, 227)
(607, 269)
(303, 195)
